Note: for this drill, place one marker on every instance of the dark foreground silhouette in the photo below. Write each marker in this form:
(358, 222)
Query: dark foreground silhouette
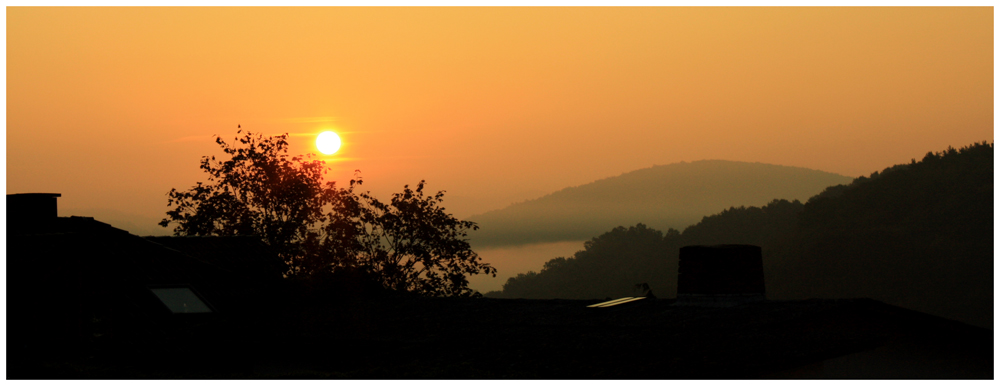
(538, 339)
(95, 307)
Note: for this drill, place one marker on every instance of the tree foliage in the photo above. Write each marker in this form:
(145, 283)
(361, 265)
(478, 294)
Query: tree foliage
(409, 243)
(612, 264)
(259, 190)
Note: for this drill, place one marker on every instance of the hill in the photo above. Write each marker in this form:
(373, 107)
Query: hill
(612, 264)
(918, 235)
(665, 196)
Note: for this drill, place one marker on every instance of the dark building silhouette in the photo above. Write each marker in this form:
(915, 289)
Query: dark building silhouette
(246, 256)
(720, 275)
(31, 207)
(77, 284)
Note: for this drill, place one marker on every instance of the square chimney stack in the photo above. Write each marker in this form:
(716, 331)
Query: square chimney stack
(720, 275)
(31, 208)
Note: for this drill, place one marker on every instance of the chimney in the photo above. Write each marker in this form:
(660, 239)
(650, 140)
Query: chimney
(720, 275)
(31, 208)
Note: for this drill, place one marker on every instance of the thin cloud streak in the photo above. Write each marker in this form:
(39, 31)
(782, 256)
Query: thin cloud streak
(337, 159)
(193, 138)
(313, 134)
(309, 120)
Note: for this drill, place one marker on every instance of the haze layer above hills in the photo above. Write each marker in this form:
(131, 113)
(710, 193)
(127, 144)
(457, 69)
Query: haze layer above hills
(663, 197)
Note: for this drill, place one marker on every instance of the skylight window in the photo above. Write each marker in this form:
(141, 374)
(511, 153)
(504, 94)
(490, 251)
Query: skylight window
(615, 302)
(181, 300)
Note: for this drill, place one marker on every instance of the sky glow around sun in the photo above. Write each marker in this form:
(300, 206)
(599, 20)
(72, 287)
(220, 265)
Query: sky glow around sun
(328, 142)
(467, 97)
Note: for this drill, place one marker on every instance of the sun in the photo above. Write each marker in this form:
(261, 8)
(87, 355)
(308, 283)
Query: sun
(328, 142)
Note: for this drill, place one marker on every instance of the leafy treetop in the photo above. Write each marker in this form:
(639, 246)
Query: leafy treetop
(409, 243)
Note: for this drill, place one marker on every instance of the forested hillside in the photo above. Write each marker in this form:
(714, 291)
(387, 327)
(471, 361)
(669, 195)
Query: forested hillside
(917, 235)
(614, 262)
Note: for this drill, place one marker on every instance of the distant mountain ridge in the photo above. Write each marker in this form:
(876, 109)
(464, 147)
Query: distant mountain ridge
(663, 196)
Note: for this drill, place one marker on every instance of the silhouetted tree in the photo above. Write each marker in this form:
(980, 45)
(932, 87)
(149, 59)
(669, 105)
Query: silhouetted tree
(409, 244)
(260, 191)
(609, 265)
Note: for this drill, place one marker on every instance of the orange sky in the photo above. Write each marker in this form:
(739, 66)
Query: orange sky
(112, 107)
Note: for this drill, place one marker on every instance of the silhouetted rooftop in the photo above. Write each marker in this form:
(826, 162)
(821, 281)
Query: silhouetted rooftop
(245, 255)
(517, 338)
